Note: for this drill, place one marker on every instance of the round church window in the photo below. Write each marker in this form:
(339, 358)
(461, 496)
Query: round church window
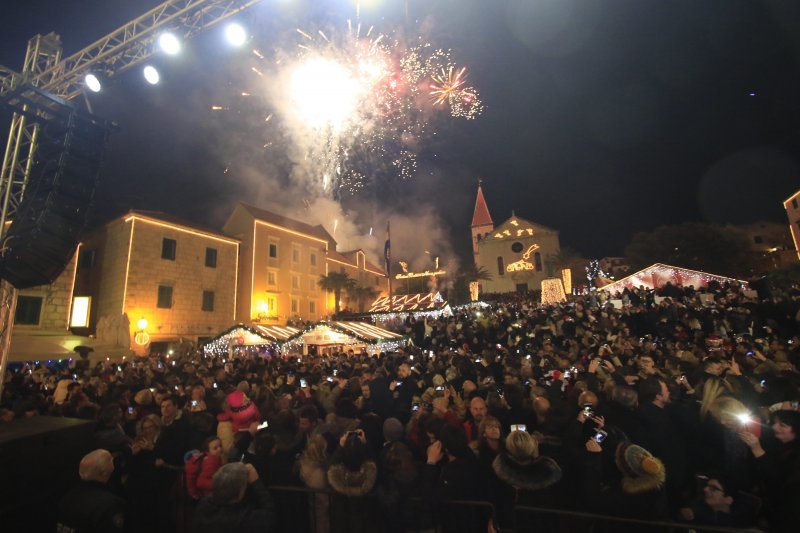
(516, 247)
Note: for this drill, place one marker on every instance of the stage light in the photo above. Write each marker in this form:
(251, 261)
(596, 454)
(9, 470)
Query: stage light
(169, 43)
(151, 75)
(92, 82)
(235, 34)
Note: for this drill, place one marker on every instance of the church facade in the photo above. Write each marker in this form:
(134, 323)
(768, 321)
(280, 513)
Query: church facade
(515, 253)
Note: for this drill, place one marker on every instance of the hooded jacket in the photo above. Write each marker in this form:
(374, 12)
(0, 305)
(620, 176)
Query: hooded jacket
(539, 474)
(353, 482)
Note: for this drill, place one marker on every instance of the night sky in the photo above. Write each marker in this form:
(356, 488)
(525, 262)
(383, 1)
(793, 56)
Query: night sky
(603, 117)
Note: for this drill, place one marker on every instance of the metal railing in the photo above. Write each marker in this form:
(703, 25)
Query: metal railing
(302, 509)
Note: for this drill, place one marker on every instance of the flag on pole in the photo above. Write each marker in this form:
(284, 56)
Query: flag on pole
(387, 251)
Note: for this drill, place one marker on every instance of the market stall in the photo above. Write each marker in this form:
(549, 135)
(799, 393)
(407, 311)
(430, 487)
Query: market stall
(342, 336)
(245, 339)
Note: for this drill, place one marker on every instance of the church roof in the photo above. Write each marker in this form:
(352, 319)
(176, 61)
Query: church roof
(481, 216)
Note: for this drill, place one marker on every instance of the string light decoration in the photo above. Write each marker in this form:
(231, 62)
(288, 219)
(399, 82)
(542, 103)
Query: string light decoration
(593, 271)
(552, 291)
(353, 334)
(523, 264)
(474, 291)
(566, 277)
(659, 274)
(405, 303)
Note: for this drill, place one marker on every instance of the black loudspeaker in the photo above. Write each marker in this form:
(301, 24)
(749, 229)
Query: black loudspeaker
(55, 208)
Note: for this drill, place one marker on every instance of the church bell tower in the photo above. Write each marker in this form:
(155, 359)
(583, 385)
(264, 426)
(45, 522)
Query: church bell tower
(482, 224)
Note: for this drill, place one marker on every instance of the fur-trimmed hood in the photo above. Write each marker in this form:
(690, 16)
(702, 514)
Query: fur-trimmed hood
(637, 485)
(539, 474)
(353, 482)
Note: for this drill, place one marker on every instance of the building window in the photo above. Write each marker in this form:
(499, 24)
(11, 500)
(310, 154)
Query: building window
(273, 250)
(377, 281)
(208, 300)
(272, 278)
(211, 257)
(85, 260)
(516, 247)
(81, 306)
(295, 306)
(312, 307)
(295, 255)
(312, 259)
(168, 247)
(272, 306)
(164, 297)
(29, 310)
(295, 282)
(312, 284)
(479, 237)
(794, 203)
(537, 261)
(501, 267)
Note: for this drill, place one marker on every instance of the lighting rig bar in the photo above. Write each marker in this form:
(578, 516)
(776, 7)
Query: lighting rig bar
(128, 45)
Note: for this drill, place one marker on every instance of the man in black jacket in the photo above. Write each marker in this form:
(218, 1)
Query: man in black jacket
(91, 506)
(661, 435)
(238, 502)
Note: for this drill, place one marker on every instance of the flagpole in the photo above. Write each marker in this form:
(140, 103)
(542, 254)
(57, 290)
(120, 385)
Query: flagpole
(389, 256)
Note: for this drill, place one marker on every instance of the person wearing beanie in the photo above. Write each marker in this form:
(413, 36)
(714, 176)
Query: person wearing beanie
(639, 493)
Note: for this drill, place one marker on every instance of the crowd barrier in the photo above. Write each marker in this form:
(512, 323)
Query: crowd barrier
(305, 510)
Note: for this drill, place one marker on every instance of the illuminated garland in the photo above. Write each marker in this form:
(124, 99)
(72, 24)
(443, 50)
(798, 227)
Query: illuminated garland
(681, 276)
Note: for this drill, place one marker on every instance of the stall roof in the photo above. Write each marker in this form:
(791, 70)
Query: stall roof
(657, 275)
(367, 332)
(267, 334)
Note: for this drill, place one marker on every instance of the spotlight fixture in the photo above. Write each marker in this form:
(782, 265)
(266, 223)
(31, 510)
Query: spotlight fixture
(235, 34)
(92, 82)
(169, 43)
(151, 75)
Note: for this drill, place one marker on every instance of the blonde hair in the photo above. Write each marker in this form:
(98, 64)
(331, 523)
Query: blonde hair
(316, 449)
(488, 419)
(713, 389)
(522, 447)
(725, 409)
(155, 419)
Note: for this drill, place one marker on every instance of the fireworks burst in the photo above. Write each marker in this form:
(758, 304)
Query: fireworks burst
(356, 104)
(449, 87)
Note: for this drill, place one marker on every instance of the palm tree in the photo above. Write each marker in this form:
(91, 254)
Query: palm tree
(361, 295)
(476, 273)
(564, 258)
(471, 274)
(336, 282)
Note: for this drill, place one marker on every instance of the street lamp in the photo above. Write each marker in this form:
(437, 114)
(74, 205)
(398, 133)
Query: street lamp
(141, 338)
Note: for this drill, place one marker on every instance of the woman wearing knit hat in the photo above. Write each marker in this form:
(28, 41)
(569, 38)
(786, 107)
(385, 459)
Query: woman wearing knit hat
(640, 491)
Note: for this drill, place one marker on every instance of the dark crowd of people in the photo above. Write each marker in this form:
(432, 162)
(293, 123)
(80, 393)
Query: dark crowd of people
(677, 405)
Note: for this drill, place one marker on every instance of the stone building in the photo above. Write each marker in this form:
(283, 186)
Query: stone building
(42, 320)
(281, 262)
(157, 278)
